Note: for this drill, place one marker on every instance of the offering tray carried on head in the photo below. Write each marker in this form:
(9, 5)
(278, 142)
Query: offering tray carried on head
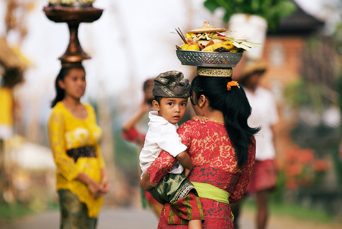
(76, 4)
(209, 59)
(73, 17)
(208, 46)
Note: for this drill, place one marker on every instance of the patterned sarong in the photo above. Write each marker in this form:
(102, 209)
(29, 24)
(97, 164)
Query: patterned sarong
(74, 213)
(177, 190)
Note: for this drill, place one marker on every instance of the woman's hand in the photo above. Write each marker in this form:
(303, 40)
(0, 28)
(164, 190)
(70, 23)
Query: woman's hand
(105, 185)
(145, 182)
(94, 188)
(201, 119)
(144, 107)
(92, 185)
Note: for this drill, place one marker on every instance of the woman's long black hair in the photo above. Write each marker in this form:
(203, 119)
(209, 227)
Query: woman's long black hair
(235, 108)
(60, 93)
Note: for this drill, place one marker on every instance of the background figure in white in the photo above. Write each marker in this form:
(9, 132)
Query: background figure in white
(264, 115)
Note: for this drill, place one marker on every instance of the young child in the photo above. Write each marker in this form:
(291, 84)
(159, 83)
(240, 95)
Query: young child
(171, 93)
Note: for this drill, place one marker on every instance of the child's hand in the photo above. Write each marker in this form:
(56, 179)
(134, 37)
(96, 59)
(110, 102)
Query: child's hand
(201, 119)
(187, 172)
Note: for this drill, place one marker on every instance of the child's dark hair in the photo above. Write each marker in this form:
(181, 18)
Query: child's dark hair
(157, 98)
(60, 93)
(235, 108)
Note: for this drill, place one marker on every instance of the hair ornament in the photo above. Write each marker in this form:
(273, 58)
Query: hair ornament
(231, 84)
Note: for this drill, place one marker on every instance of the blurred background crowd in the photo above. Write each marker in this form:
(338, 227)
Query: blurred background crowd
(133, 42)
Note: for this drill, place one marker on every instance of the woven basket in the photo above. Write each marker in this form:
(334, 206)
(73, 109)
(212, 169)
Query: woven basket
(209, 59)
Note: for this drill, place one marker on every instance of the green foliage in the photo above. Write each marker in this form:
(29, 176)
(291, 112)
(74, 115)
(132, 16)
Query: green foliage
(15, 211)
(277, 195)
(271, 10)
(306, 94)
(296, 211)
(337, 161)
(339, 89)
(126, 154)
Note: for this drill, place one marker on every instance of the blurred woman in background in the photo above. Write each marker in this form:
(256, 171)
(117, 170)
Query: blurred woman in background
(74, 139)
(132, 134)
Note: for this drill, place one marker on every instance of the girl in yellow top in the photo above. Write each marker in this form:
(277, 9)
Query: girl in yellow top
(74, 136)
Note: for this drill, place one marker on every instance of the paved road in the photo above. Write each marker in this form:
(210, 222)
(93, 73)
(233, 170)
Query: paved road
(131, 218)
(108, 219)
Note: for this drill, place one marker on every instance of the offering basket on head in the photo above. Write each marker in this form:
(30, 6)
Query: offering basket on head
(209, 59)
(72, 12)
(209, 47)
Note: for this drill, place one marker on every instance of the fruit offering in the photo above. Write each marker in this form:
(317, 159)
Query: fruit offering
(70, 2)
(211, 39)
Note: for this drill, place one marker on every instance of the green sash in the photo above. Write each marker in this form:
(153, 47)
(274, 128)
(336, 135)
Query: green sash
(209, 191)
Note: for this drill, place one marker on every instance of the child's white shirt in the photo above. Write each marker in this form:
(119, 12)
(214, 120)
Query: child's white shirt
(161, 135)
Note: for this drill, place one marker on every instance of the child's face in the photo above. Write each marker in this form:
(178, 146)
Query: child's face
(172, 109)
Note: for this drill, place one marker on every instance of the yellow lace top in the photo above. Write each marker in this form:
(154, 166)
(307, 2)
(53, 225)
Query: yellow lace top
(6, 114)
(68, 132)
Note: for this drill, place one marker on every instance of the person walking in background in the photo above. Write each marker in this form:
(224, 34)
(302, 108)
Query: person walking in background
(11, 78)
(132, 134)
(129, 130)
(74, 139)
(264, 114)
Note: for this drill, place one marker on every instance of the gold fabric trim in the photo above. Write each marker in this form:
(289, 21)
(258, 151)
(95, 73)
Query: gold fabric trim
(215, 72)
(167, 91)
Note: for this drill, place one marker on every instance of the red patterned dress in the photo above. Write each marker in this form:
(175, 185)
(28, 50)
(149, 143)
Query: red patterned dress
(215, 163)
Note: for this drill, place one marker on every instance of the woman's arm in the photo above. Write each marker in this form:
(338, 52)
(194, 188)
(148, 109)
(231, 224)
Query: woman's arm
(65, 164)
(157, 170)
(244, 178)
(130, 133)
(92, 185)
(131, 123)
(104, 184)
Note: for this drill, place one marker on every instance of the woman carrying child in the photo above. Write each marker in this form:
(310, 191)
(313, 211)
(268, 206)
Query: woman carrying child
(171, 92)
(222, 150)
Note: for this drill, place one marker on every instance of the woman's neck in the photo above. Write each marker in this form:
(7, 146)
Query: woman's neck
(71, 102)
(75, 107)
(215, 116)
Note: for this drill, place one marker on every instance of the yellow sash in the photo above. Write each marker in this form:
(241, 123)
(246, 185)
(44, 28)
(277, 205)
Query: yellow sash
(209, 191)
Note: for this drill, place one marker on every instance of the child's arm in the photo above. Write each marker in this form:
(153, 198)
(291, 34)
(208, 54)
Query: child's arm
(185, 160)
(201, 119)
(145, 182)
